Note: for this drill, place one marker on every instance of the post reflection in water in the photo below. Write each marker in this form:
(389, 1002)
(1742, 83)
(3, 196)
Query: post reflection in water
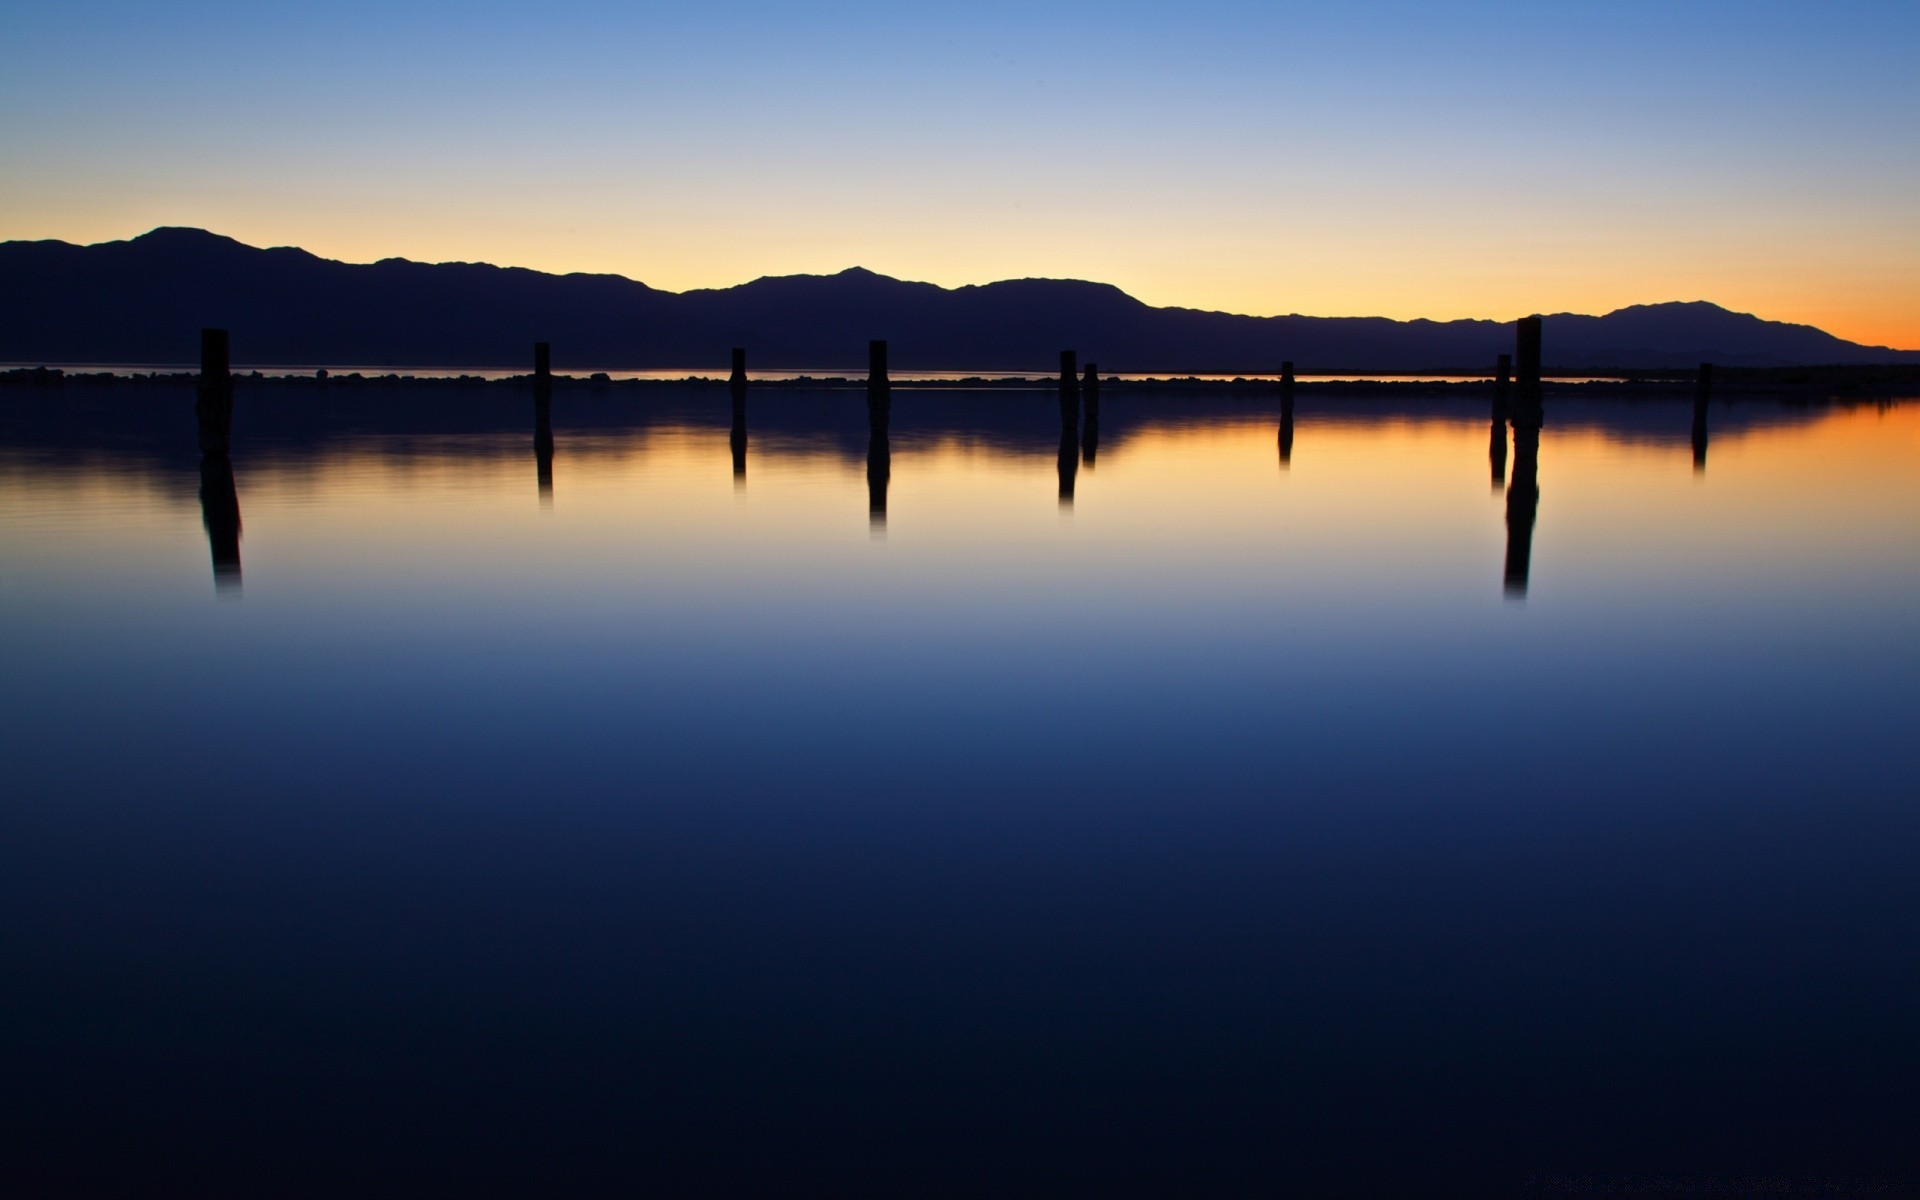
(1497, 430)
(1497, 445)
(1069, 461)
(1523, 494)
(220, 513)
(879, 475)
(737, 438)
(1286, 427)
(219, 499)
(543, 453)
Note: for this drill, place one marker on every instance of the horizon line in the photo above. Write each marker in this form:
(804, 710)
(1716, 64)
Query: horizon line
(857, 269)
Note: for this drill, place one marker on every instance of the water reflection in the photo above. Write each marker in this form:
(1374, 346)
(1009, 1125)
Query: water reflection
(737, 435)
(1069, 462)
(1286, 427)
(543, 453)
(220, 514)
(1523, 494)
(219, 499)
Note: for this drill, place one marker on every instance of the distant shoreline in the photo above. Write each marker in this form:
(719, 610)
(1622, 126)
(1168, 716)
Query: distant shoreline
(1841, 380)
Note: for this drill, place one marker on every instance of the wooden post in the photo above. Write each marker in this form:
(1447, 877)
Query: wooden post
(1526, 357)
(1286, 376)
(1702, 392)
(1503, 371)
(879, 387)
(214, 366)
(542, 375)
(213, 402)
(737, 436)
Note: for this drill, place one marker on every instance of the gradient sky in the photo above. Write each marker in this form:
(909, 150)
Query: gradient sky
(1398, 159)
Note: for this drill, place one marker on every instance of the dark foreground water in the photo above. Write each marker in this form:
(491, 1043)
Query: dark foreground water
(976, 813)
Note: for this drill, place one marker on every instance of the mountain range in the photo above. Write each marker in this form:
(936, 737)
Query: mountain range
(144, 301)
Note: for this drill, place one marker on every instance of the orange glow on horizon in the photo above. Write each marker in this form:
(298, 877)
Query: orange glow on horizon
(1857, 295)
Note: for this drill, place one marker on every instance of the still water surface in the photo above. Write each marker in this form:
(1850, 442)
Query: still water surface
(972, 813)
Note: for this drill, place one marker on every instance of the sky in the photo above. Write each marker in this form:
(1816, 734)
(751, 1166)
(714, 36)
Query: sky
(1406, 160)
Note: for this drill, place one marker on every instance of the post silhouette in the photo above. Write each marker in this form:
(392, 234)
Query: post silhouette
(1286, 423)
(220, 515)
(1523, 495)
(542, 376)
(1702, 392)
(879, 388)
(543, 453)
(879, 473)
(1497, 434)
(213, 400)
(737, 437)
(219, 499)
(737, 434)
(1286, 377)
(1069, 461)
(1526, 356)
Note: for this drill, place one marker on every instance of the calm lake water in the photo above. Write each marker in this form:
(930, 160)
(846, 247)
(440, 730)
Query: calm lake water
(1157, 813)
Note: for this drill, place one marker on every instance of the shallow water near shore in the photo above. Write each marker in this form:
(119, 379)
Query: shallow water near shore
(1205, 802)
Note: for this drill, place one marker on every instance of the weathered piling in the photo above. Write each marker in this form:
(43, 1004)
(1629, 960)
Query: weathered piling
(737, 434)
(879, 388)
(1286, 377)
(1702, 392)
(1526, 352)
(542, 375)
(214, 365)
(1502, 372)
(213, 399)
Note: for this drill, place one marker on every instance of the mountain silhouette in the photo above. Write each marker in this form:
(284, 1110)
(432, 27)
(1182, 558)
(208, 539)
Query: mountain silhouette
(145, 300)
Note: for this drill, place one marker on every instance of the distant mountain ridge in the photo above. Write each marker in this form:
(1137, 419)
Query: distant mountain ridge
(144, 300)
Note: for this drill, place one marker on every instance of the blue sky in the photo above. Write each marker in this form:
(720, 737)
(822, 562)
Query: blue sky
(1405, 159)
